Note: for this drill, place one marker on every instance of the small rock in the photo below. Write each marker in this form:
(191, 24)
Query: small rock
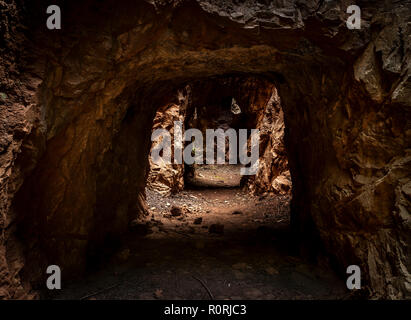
(237, 15)
(216, 228)
(198, 220)
(176, 211)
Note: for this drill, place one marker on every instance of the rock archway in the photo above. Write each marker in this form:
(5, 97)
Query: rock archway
(76, 127)
(226, 102)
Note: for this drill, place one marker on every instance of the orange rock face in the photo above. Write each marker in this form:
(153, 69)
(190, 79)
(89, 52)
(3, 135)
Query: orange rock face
(166, 178)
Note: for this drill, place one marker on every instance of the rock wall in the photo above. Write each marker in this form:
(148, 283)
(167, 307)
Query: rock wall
(273, 173)
(166, 178)
(19, 118)
(75, 131)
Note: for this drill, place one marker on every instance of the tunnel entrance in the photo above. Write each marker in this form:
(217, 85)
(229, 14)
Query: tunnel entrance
(218, 234)
(219, 194)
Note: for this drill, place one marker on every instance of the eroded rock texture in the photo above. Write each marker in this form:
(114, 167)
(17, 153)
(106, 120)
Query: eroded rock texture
(77, 109)
(273, 173)
(163, 177)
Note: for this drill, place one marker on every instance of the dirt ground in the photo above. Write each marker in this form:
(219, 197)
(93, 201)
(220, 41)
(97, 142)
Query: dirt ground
(210, 244)
(216, 176)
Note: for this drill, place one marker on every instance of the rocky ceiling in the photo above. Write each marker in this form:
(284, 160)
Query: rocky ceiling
(77, 106)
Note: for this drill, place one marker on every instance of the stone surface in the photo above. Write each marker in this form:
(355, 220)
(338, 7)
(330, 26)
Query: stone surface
(167, 178)
(77, 109)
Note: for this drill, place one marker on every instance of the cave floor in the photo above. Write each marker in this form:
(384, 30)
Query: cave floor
(171, 257)
(216, 176)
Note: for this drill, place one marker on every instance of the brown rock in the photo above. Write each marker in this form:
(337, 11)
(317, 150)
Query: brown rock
(176, 211)
(166, 178)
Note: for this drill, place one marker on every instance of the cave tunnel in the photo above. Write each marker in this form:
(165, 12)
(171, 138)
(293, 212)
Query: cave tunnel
(333, 186)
